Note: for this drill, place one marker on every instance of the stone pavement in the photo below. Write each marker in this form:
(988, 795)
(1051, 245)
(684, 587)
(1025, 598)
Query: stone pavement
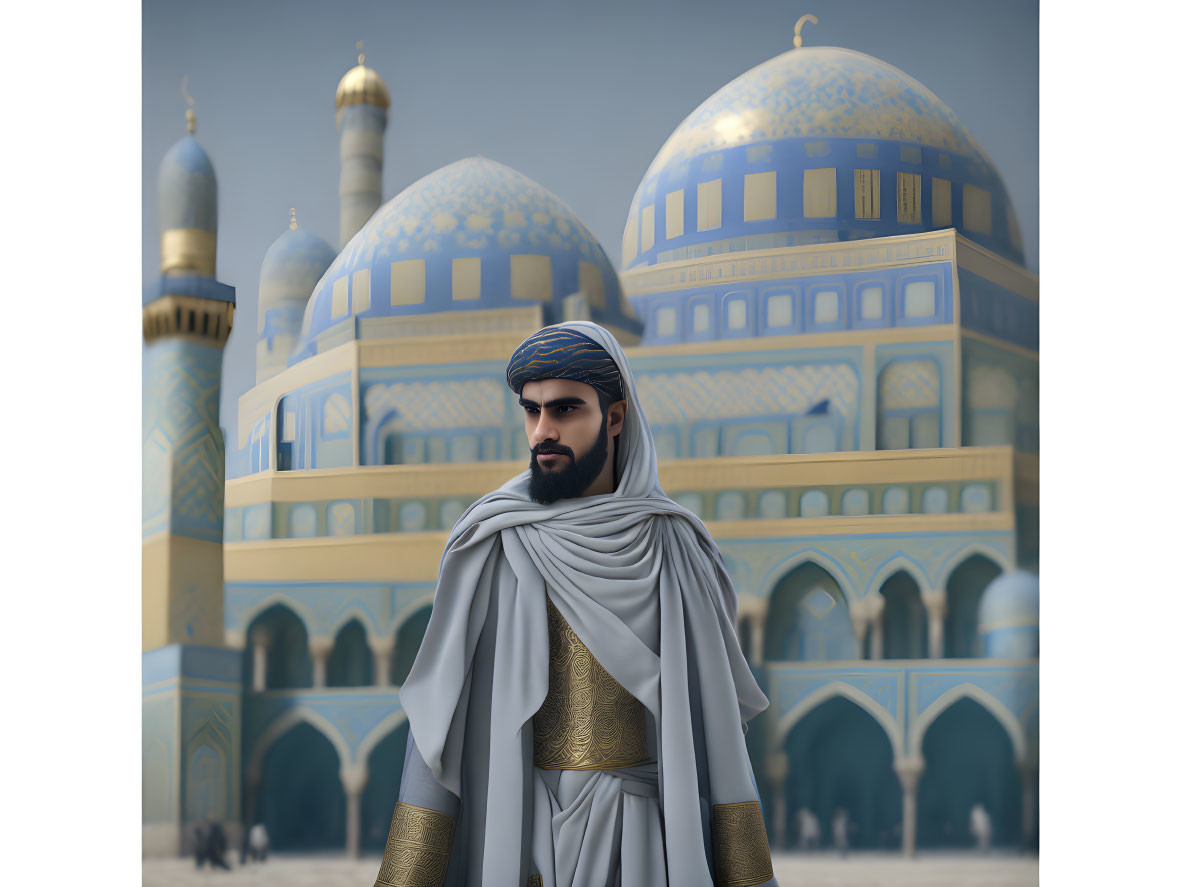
(818, 869)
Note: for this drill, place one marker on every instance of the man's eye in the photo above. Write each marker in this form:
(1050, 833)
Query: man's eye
(565, 408)
(532, 411)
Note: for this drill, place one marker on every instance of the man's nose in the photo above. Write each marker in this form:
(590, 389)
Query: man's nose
(546, 429)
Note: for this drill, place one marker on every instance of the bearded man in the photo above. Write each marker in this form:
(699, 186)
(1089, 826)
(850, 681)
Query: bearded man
(578, 705)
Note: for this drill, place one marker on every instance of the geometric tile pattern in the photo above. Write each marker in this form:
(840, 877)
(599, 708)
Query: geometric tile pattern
(670, 397)
(184, 455)
(452, 403)
(909, 384)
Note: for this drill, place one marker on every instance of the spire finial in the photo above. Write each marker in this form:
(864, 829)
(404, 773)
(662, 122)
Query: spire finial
(190, 114)
(796, 39)
(292, 225)
(360, 54)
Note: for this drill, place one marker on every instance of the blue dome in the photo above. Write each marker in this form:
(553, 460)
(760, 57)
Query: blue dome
(472, 235)
(1007, 617)
(292, 266)
(188, 188)
(864, 126)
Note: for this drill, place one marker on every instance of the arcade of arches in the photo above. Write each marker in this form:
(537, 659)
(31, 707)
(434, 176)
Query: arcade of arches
(838, 757)
(282, 655)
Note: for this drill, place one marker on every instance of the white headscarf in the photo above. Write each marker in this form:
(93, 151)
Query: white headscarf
(642, 584)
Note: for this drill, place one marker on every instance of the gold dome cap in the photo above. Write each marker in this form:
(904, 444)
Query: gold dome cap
(362, 86)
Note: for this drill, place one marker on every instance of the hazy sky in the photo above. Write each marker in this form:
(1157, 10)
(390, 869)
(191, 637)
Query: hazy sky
(578, 96)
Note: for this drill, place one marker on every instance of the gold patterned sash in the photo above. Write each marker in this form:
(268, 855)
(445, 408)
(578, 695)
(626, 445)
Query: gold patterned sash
(588, 721)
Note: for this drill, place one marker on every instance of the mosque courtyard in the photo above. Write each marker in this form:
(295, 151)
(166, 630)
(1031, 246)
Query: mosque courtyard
(819, 869)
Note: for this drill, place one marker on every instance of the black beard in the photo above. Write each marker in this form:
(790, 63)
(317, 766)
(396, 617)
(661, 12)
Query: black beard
(570, 482)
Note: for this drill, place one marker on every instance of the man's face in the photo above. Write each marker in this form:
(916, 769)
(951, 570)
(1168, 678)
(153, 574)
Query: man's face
(568, 437)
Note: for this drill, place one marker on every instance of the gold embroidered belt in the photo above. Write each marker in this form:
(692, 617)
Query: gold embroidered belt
(588, 721)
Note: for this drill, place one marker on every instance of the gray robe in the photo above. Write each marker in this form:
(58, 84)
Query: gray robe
(642, 584)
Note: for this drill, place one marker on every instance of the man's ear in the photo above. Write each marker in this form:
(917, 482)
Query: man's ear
(615, 417)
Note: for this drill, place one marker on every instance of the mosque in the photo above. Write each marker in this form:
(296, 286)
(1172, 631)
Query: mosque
(824, 302)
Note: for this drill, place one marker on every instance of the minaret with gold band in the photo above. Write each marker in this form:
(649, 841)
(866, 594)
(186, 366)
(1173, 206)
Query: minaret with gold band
(192, 693)
(362, 103)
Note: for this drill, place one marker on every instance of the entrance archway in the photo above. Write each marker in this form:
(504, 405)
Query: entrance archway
(301, 800)
(904, 620)
(288, 662)
(965, 587)
(351, 663)
(808, 619)
(969, 759)
(839, 756)
(381, 791)
(406, 644)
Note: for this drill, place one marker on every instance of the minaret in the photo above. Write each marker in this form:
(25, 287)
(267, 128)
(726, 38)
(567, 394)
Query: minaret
(291, 269)
(192, 695)
(362, 101)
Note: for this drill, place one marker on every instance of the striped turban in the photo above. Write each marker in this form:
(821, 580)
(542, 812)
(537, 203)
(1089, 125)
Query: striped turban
(557, 352)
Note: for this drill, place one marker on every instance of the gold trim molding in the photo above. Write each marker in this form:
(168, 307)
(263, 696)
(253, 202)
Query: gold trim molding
(188, 249)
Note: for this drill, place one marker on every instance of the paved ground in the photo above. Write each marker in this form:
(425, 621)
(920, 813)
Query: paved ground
(812, 870)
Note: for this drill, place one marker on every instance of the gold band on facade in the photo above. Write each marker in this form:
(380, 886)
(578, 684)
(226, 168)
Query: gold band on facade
(588, 721)
(741, 853)
(533, 881)
(417, 849)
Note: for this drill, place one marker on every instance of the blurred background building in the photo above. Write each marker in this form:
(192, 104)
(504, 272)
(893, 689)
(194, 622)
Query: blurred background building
(824, 300)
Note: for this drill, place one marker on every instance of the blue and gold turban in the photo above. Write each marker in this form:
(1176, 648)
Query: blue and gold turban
(562, 353)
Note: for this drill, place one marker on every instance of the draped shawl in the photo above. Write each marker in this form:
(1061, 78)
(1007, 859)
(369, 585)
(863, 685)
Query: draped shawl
(620, 568)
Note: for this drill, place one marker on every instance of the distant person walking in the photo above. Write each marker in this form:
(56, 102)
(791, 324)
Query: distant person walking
(215, 846)
(259, 842)
(841, 830)
(980, 826)
(810, 829)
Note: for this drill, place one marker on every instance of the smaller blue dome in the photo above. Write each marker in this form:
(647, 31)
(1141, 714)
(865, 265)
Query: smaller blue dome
(1007, 617)
(292, 266)
(188, 188)
(473, 235)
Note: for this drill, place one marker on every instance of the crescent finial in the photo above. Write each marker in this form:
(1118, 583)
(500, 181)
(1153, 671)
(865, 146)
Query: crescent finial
(796, 39)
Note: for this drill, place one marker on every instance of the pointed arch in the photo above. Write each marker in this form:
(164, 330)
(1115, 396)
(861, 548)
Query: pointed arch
(860, 698)
(410, 610)
(305, 615)
(986, 700)
(814, 555)
(953, 561)
(286, 721)
(389, 724)
(354, 611)
(900, 560)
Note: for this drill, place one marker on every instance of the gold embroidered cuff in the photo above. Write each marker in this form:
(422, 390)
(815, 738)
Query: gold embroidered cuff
(741, 853)
(417, 849)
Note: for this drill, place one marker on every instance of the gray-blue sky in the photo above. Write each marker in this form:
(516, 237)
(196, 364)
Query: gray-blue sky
(578, 96)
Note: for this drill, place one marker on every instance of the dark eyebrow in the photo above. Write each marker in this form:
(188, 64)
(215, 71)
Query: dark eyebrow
(557, 402)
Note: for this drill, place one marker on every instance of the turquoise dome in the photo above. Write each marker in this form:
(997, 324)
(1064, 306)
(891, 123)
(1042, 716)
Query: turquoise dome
(1007, 617)
(474, 235)
(815, 108)
(188, 188)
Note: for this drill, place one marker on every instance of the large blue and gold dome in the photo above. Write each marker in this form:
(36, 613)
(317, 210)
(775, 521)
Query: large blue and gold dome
(474, 235)
(816, 145)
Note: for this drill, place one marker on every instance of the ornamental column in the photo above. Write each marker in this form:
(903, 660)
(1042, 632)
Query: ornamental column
(909, 770)
(757, 623)
(353, 781)
(776, 771)
(858, 617)
(383, 654)
(319, 647)
(936, 604)
(260, 641)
